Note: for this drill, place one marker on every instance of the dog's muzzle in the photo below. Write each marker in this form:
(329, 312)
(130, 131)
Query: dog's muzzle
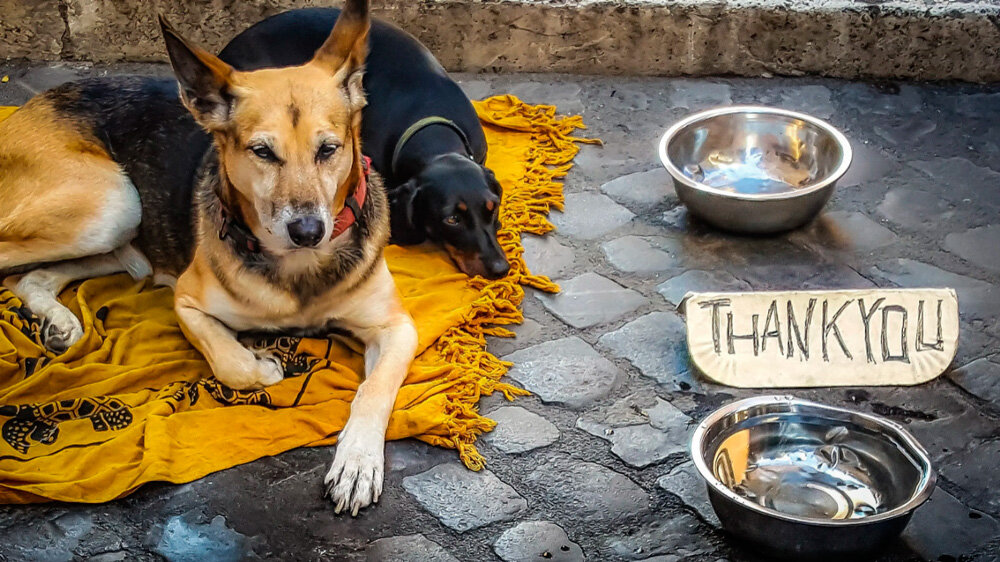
(307, 231)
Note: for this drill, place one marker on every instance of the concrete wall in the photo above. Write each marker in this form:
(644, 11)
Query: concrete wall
(844, 38)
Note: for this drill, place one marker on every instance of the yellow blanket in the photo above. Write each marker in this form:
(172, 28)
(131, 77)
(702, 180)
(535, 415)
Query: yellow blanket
(133, 402)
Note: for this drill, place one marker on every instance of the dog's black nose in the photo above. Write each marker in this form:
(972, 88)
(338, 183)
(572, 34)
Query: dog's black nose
(306, 231)
(497, 268)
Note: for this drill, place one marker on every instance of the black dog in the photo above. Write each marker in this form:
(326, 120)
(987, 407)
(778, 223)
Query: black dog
(419, 129)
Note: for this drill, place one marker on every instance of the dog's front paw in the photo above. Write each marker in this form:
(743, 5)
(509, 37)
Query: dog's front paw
(61, 330)
(355, 479)
(249, 372)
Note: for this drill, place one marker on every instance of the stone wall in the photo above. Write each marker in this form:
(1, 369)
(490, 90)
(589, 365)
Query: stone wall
(843, 38)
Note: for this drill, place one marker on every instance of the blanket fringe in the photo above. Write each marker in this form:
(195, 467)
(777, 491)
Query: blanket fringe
(476, 372)
(525, 208)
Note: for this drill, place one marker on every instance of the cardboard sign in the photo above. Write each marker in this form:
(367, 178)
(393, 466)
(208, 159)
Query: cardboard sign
(869, 337)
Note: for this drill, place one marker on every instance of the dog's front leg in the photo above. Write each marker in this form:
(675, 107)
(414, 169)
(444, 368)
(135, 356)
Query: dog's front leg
(355, 479)
(233, 364)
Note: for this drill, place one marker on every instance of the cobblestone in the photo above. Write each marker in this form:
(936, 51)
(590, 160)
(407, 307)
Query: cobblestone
(654, 343)
(631, 98)
(976, 299)
(947, 414)
(526, 332)
(966, 468)
(913, 209)
(944, 527)
(675, 536)
(519, 430)
(869, 167)
(590, 215)
(56, 538)
(537, 540)
(814, 100)
(628, 410)
(842, 230)
(591, 299)
(905, 131)
(980, 378)
(641, 190)
(42, 78)
(635, 254)
(696, 95)
(475, 89)
(589, 491)
(566, 371)
(462, 499)
(410, 456)
(961, 178)
(544, 255)
(695, 280)
(184, 540)
(406, 549)
(684, 482)
(564, 95)
(642, 445)
(600, 450)
(981, 246)
(801, 276)
(866, 99)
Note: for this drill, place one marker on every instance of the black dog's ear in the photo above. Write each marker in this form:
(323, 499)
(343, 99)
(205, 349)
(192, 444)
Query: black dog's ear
(491, 180)
(408, 199)
(403, 202)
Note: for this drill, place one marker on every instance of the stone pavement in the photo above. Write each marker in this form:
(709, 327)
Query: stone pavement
(594, 464)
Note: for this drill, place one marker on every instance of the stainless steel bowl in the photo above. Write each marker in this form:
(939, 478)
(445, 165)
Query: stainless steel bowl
(754, 169)
(800, 479)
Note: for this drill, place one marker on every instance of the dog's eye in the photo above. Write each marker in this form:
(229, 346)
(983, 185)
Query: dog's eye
(453, 220)
(263, 152)
(326, 150)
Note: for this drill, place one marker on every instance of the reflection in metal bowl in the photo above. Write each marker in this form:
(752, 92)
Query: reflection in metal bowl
(754, 169)
(800, 478)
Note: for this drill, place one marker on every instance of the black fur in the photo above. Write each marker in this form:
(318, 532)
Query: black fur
(147, 131)
(174, 167)
(403, 84)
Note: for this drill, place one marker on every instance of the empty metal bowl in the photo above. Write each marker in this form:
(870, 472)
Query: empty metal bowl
(754, 169)
(803, 480)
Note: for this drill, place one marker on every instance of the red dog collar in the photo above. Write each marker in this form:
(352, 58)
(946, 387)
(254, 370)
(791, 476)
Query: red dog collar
(352, 206)
(232, 228)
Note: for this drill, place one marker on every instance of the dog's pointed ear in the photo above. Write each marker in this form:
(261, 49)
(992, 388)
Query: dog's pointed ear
(345, 50)
(408, 193)
(403, 208)
(206, 82)
(491, 180)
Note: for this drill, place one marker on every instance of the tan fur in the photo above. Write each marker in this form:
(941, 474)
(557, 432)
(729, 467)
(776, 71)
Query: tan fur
(468, 263)
(54, 184)
(66, 184)
(324, 112)
(293, 111)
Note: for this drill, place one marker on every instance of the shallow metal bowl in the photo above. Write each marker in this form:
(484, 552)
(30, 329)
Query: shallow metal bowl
(800, 479)
(754, 169)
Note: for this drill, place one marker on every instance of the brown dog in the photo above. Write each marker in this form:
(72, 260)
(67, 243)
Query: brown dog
(270, 221)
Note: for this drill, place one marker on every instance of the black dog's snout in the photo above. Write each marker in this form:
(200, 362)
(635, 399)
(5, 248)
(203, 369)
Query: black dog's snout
(306, 231)
(497, 267)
